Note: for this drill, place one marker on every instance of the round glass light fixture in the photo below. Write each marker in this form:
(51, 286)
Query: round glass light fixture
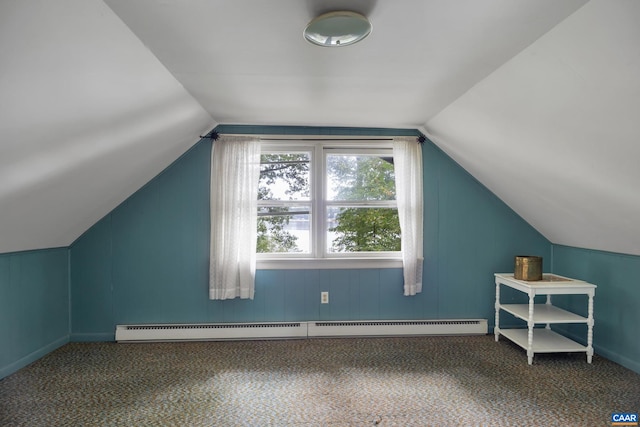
(336, 29)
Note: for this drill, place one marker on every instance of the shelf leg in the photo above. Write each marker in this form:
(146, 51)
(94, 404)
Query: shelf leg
(548, 302)
(530, 326)
(496, 328)
(590, 328)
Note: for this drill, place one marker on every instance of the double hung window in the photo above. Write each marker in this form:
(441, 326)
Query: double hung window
(327, 202)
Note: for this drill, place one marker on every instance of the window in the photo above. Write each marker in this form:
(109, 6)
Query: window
(327, 201)
(284, 203)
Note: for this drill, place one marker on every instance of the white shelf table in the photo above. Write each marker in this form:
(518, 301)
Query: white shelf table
(544, 340)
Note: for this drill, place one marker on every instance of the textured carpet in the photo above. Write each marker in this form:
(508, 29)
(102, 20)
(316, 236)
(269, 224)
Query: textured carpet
(426, 381)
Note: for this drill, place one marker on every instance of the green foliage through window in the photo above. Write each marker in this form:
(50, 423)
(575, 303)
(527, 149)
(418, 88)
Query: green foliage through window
(362, 178)
(366, 230)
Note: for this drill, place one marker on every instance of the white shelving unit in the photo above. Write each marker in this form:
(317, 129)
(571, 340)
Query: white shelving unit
(544, 340)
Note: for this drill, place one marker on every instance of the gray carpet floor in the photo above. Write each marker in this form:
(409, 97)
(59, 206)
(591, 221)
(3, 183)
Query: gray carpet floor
(422, 381)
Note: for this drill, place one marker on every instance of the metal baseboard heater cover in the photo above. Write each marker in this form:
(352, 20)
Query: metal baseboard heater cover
(211, 331)
(280, 330)
(382, 328)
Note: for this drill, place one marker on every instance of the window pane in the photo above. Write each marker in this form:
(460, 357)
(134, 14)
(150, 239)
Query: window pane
(360, 177)
(283, 229)
(284, 176)
(362, 230)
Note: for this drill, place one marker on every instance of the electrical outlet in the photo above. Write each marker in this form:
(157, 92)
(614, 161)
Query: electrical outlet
(324, 297)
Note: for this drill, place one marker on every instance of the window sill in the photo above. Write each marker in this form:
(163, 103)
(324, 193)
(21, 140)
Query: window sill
(326, 263)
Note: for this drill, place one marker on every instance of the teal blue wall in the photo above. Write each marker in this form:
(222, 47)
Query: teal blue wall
(147, 261)
(617, 301)
(34, 306)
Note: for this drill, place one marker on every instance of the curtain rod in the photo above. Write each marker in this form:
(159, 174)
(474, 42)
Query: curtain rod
(215, 135)
(344, 138)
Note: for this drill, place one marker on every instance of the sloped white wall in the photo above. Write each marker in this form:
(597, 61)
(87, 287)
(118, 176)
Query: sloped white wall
(87, 116)
(555, 131)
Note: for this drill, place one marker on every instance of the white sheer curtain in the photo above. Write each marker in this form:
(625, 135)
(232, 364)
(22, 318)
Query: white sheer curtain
(407, 159)
(235, 171)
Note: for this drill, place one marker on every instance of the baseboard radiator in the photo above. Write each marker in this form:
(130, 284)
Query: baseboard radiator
(210, 331)
(274, 330)
(384, 328)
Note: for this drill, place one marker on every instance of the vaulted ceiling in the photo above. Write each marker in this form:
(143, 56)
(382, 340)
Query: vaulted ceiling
(538, 99)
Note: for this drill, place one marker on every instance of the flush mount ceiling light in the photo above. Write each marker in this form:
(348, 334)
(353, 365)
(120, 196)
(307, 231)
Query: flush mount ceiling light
(336, 29)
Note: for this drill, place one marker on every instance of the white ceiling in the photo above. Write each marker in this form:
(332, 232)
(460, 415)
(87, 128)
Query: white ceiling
(246, 61)
(536, 98)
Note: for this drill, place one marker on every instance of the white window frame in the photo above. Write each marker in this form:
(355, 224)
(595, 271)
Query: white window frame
(319, 257)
